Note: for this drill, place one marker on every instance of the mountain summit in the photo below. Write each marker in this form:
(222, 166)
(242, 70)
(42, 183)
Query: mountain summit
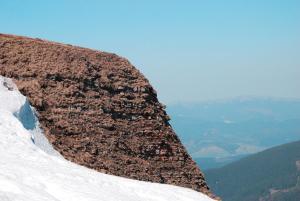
(99, 111)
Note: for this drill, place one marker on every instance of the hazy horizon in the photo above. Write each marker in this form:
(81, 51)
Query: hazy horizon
(190, 52)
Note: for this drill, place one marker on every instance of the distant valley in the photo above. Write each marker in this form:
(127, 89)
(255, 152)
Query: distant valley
(220, 132)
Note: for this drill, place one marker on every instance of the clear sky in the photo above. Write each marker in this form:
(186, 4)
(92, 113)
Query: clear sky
(189, 50)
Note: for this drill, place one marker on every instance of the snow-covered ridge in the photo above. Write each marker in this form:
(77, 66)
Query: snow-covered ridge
(30, 170)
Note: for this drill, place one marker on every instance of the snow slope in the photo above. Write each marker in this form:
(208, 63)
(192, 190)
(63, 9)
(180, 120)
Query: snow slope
(30, 170)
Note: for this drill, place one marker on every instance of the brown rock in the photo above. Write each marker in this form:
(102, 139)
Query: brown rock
(99, 111)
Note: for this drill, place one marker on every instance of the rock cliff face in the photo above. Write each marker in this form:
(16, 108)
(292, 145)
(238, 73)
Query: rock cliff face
(99, 111)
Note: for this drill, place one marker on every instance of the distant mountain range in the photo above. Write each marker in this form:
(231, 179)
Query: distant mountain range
(271, 175)
(211, 162)
(217, 133)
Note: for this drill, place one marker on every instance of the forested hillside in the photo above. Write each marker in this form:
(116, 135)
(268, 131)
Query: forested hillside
(269, 175)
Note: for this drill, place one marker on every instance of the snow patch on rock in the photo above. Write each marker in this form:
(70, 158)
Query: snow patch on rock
(20, 107)
(27, 116)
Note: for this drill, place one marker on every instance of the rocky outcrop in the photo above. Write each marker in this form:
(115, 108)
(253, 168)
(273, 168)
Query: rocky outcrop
(99, 111)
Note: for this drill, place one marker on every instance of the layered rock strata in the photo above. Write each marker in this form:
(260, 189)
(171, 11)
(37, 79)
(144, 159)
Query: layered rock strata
(99, 111)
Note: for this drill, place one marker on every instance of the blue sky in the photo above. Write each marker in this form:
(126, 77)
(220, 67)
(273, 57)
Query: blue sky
(189, 50)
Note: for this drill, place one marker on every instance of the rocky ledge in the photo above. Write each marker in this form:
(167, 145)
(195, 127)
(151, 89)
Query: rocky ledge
(99, 111)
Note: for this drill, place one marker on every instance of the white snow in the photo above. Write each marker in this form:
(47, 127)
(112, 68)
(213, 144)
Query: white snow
(35, 173)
